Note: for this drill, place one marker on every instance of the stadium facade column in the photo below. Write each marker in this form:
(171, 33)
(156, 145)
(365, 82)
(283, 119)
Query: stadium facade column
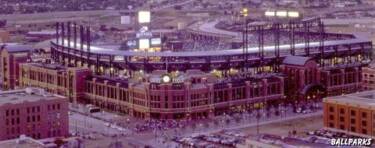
(264, 92)
(54, 53)
(81, 42)
(63, 42)
(88, 48)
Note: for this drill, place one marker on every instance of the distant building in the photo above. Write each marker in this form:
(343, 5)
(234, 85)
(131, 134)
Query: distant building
(314, 3)
(34, 113)
(4, 36)
(352, 113)
(11, 55)
(67, 81)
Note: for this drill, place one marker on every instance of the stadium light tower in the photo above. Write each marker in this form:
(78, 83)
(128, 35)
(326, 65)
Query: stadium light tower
(282, 14)
(244, 13)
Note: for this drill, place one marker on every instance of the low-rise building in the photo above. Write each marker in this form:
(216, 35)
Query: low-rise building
(4, 36)
(11, 55)
(353, 113)
(57, 79)
(34, 113)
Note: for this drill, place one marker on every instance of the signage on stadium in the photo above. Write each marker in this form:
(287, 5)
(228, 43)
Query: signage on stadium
(144, 32)
(144, 35)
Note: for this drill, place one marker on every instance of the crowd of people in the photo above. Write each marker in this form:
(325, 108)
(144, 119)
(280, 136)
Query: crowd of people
(153, 124)
(205, 45)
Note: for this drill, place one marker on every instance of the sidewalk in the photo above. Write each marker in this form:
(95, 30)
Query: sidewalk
(252, 124)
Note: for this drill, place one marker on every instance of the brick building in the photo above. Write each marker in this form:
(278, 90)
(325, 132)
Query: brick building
(11, 55)
(352, 113)
(312, 81)
(34, 113)
(67, 81)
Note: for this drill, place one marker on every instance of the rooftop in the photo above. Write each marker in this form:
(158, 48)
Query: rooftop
(296, 60)
(364, 99)
(48, 66)
(15, 47)
(25, 95)
(22, 142)
(53, 66)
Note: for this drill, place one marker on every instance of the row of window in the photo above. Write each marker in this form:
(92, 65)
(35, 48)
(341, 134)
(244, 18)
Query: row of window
(353, 120)
(12, 112)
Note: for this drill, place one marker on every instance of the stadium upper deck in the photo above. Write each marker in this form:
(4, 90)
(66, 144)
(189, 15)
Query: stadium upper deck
(304, 39)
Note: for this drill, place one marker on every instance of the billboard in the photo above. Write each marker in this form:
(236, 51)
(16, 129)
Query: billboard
(144, 17)
(144, 43)
(125, 20)
(155, 41)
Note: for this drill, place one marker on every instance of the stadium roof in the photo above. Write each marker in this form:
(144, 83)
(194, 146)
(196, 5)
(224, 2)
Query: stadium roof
(14, 47)
(228, 52)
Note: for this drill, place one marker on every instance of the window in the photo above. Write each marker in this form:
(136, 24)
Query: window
(342, 127)
(352, 129)
(331, 117)
(352, 112)
(352, 121)
(364, 115)
(364, 123)
(331, 109)
(342, 111)
(364, 131)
